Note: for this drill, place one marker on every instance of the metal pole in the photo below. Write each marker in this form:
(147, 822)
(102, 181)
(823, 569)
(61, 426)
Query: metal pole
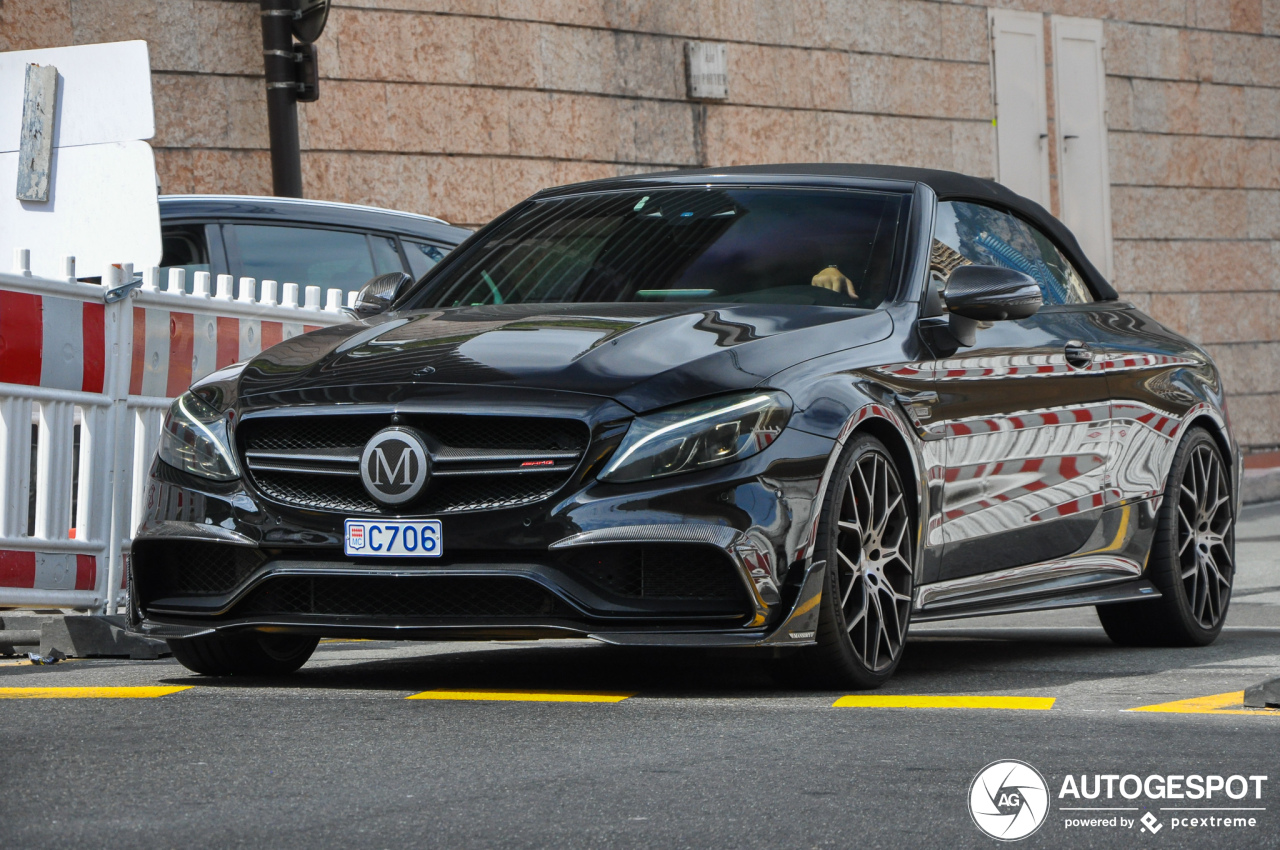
(282, 103)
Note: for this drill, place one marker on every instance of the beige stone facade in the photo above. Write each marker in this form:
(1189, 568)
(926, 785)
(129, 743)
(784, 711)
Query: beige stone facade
(460, 108)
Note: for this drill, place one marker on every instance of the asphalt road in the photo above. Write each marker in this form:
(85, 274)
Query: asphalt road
(710, 750)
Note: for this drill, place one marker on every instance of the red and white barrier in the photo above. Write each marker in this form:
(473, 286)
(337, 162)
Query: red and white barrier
(75, 364)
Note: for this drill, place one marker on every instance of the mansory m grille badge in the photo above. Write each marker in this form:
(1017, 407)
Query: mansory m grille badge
(395, 465)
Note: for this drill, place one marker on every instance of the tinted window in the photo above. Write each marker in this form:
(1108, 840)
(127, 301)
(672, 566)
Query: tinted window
(183, 247)
(422, 256)
(305, 256)
(971, 233)
(771, 246)
(386, 257)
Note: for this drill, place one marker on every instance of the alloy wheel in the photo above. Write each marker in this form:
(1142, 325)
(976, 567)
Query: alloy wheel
(873, 552)
(1205, 529)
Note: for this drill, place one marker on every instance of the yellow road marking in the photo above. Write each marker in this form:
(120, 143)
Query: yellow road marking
(909, 701)
(525, 696)
(1229, 703)
(91, 693)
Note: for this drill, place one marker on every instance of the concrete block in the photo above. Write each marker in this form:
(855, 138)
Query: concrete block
(1164, 106)
(1271, 17)
(1196, 266)
(1220, 316)
(27, 26)
(1262, 208)
(1255, 422)
(97, 636)
(1158, 160)
(209, 111)
(1174, 213)
(214, 171)
(1249, 369)
(220, 37)
(1260, 485)
(1265, 694)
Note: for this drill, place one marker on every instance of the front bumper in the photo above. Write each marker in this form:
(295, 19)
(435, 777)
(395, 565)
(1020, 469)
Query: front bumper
(753, 517)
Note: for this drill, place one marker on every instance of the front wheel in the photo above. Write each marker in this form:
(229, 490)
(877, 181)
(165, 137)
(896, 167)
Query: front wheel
(1192, 558)
(865, 535)
(248, 654)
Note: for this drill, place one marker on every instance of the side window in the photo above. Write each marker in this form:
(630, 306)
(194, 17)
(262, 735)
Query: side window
(386, 257)
(305, 256)
(422, 256)
(183, 247)
(971, 233)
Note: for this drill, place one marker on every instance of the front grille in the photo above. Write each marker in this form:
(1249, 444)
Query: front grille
(658, 571)
(192, 568)
(478, 462)
(427, 597)
(311, 432)
(314, 491)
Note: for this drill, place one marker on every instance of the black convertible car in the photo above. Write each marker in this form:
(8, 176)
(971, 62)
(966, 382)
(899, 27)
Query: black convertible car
(796, 407)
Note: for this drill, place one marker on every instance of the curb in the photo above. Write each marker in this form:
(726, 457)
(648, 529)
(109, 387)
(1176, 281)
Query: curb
(1265, 694)
(76, 636)
(1260, 485)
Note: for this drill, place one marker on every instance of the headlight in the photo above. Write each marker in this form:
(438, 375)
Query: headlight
(194, 439)
(696, 436)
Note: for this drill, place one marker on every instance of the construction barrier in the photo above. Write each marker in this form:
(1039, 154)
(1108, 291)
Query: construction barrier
(86, 373)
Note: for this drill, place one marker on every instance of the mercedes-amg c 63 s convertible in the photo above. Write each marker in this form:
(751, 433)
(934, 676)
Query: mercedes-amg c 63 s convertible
(792, 407)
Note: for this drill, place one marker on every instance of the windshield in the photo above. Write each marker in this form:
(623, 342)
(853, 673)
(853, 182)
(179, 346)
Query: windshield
(764, 246)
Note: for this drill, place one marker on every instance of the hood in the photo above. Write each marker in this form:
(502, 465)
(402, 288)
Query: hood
(642, 355)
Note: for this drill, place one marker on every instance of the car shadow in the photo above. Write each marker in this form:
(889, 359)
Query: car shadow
(936, 662)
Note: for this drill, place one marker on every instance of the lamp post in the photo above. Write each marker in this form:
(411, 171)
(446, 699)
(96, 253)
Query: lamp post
(292, 75)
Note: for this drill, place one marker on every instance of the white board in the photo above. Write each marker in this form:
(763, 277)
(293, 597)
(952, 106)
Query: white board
(1022, 150)
(102, 209)
(1080, 98)
(107, 87)
(102, 205)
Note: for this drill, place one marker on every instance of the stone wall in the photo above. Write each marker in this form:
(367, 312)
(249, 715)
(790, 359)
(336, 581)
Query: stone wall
(462, 107)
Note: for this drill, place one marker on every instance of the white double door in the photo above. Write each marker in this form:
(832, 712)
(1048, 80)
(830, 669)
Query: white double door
(1079, 133)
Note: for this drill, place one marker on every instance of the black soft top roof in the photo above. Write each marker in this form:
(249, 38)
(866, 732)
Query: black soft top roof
(947, 185)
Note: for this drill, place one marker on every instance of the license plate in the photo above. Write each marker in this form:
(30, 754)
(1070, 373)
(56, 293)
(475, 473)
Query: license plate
(416, 538)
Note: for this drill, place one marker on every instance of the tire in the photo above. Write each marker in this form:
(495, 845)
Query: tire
(1192, 558)
(248, 654)
(865, 609)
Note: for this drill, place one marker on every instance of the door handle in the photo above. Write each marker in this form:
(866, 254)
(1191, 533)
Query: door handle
(1079, 354)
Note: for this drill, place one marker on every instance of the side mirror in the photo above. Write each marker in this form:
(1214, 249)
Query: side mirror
(379, 293)
(978, 294)
(991, 294)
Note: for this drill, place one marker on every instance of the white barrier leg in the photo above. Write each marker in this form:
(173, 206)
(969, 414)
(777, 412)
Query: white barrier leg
(15, 465)
(54, 464)
(93, 507)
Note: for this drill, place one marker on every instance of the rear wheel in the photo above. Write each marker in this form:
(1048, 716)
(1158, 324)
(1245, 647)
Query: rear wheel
(248, 654)
(865, 535)
(1192, 558)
